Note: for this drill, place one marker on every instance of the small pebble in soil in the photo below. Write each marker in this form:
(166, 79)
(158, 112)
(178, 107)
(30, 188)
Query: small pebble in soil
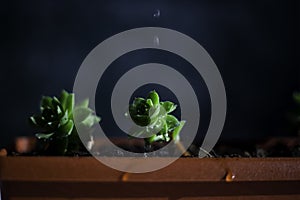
(261, 153)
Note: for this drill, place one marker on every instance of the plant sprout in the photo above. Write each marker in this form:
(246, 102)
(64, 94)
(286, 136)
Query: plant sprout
(156, 116)
(55, 123)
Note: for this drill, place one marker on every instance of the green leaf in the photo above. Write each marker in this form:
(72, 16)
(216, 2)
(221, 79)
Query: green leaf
(149, 102)
(168, 106)
(83, 104)
(154, 138)
(138, 101)
(164, 129)
(176, 131)
(154, 113)
(137, 131)
(139, 112)
(64, 119)
(46, 102)
(154, 97)
(37, 121)
(141, 120)
(143, 109)
(97, 119)
(59, 110)
(63, 99)
(49, 114)
(70, 104)
(56, 106)
(90, 120)
(55, 101)
(43, 135)
(81, 113)
(66, 129)
(166, 137)
(172, 122)
(139, 107)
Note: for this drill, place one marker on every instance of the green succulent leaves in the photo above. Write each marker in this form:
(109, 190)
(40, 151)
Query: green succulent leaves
(169, 106)
(55, 119)
(153, 96)
(150, 112)
(139, 111)
(85, 116)
(55, 122)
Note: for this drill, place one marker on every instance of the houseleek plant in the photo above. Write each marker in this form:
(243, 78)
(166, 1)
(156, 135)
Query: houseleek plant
(57, 134)
(156, 116)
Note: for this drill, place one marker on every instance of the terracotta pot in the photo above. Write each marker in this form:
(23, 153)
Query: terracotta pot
(83, 178)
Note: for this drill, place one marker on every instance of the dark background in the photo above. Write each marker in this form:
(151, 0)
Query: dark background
(255, 45)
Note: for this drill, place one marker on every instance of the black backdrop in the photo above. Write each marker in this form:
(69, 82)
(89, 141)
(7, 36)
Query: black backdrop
(255, 45)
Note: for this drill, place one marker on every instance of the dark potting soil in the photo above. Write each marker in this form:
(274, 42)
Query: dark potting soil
(272, 147)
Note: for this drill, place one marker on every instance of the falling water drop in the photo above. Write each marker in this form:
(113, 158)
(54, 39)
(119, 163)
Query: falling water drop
(126, 114)
(157, 13)
(229, 176)
(156, 40)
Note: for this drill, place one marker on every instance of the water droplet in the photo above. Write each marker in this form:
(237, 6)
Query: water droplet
(157, 13)
(90, 145)
(126, 114)
(125, 176)
(229, 176)
(156, 40)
